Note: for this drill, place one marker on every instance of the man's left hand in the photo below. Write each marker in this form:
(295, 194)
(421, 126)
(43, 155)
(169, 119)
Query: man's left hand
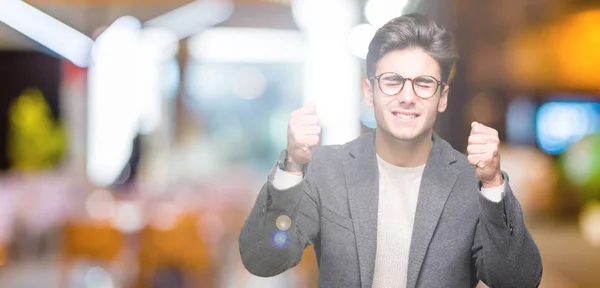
(482, 152)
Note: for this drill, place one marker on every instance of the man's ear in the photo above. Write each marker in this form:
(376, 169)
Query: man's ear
(443, 103)
(368, 92)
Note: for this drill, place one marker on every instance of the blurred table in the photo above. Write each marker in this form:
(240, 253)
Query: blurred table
(568, 260)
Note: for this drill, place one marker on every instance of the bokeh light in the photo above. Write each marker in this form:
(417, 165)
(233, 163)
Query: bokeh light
(581, 165)
(283, 222)
(379, 12)
(589, 223)
(280, 239)
(562, 123)
(100, 205)
(359, 40)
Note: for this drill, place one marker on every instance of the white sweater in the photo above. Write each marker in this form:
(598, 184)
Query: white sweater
(398, 194)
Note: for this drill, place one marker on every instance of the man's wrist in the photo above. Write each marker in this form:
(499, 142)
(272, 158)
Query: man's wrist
(294, 173)
(497, 182)
(297, 173)
(287, 164)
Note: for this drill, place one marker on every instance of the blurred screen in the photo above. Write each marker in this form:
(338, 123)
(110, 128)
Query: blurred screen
(561, 123)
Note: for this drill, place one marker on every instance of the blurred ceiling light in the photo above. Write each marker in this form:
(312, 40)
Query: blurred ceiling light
(159, 43)
(123, 32)
(113, 105)
(122, 23)
(191, 18)
(379, 12)
(326, 26)
(157, 46)
(310, 14)
(360, 38)
(124, 93)
(247, 45)
(51, 33)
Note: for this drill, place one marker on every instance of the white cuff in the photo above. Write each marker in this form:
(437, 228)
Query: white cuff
(283, 180)
(494, 194)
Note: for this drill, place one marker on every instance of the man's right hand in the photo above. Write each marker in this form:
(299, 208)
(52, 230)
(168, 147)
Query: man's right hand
(303, 134)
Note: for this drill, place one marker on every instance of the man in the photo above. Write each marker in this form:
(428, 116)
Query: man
(397, 207)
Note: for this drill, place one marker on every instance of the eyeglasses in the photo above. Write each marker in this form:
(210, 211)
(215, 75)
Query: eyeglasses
(424, 86)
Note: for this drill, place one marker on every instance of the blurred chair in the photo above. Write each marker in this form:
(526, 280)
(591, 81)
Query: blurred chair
(95, 241)
(176, 248)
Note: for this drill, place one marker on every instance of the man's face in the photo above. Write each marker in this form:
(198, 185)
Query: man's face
(405, 116)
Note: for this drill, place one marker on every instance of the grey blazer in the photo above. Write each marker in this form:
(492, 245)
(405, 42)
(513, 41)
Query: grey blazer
(459, 236)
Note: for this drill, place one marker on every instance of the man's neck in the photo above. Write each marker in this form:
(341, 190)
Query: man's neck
(403, 153)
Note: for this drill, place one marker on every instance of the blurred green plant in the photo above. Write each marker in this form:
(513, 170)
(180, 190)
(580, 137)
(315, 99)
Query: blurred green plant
(35, 140)
(580, 164)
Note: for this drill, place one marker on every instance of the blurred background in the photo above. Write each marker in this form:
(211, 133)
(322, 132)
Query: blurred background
(136, 134)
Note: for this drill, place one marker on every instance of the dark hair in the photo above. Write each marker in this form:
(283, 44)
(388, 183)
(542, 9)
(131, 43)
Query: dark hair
(413, 30)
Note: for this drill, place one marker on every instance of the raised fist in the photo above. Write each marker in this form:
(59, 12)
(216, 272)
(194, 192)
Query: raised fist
(303, 134)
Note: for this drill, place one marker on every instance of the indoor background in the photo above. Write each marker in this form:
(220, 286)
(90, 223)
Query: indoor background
(136, 134)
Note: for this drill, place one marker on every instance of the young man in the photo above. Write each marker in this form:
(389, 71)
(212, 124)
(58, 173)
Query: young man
(397, 207)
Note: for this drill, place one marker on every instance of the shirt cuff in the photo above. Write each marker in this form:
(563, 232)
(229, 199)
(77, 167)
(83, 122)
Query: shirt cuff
(283, 180)
(494, 194)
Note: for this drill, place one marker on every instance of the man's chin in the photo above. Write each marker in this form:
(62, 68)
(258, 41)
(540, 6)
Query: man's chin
(407, 136)
(404, 137)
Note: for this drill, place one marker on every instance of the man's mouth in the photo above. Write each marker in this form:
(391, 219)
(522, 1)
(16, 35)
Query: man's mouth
(405, 115)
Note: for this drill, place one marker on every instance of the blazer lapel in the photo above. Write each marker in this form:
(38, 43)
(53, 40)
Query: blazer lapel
(362, 183)
(437, 182)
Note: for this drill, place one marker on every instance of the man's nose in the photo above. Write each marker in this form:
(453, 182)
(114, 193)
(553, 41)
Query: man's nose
(407, 94)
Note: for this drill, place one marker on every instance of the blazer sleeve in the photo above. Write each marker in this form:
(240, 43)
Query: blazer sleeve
(504, 253)
(267, 250)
